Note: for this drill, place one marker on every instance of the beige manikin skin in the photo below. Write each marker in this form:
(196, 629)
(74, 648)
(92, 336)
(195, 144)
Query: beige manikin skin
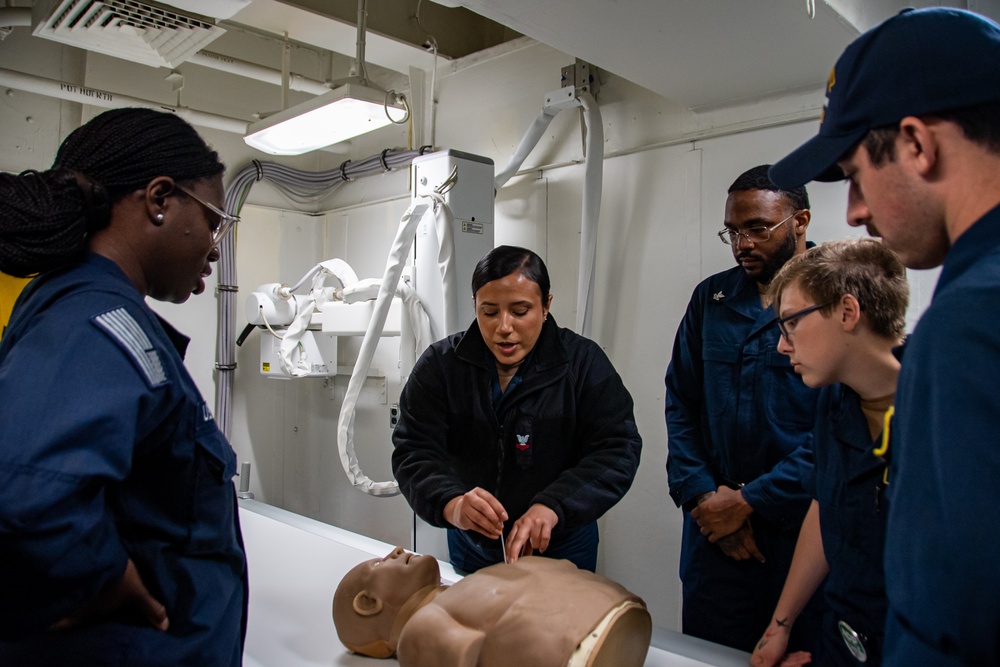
(537, 611)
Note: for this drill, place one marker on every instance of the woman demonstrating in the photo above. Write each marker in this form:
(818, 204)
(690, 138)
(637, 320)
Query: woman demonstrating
(119, 536)
(515, 428)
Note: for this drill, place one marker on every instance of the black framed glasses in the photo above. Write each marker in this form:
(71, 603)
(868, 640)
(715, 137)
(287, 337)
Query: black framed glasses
(784, 321)
(754, 235)
(226, 221)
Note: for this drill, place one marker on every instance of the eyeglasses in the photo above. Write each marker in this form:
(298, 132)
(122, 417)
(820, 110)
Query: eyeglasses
(753, 235)
(225, 223)
(783, 321)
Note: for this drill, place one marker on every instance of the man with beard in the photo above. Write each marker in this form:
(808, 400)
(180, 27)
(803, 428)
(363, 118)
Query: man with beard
(737, 420)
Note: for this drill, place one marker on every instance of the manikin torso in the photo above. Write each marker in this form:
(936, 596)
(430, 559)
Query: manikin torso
(537, 611)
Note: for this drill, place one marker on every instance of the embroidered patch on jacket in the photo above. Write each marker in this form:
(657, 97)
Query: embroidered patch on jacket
(123, 328)
(522, 442)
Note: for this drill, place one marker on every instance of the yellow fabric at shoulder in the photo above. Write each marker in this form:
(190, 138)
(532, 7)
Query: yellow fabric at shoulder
(10, 288)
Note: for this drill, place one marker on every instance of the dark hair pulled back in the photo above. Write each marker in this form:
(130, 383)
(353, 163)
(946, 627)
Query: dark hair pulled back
(507, 259)
(45, 217)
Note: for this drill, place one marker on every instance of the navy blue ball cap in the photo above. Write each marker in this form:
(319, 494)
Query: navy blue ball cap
(918, 62)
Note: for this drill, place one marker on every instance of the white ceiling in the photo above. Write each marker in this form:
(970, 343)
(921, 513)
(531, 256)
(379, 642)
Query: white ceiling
(699, 53)
(696, 52)
(705, 53)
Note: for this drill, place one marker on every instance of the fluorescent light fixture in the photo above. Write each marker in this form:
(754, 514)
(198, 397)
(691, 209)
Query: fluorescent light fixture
(344, 112)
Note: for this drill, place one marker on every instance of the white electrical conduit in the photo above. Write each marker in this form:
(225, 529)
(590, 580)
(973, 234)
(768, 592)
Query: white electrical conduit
(15, 17)
(393, 269)
(592, 186)
(258, 72)
(72, 92)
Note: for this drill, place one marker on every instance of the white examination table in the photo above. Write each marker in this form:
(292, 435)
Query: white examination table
(295, 565)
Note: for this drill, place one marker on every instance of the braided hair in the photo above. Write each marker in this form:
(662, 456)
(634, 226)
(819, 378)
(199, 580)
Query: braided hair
(46, 217)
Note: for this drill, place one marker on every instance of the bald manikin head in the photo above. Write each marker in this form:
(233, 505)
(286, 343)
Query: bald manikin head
(369, 598)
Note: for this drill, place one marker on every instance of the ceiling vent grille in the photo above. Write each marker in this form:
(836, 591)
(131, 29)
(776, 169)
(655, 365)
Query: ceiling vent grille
(135, 31)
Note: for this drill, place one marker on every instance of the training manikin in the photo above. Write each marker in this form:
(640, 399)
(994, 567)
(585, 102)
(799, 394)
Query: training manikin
(537, 611)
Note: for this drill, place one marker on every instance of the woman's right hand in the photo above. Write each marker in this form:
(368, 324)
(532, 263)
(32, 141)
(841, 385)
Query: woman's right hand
(477, 510)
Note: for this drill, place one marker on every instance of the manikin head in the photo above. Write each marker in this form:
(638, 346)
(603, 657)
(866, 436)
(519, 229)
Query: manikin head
(369, 598)
(764, 224)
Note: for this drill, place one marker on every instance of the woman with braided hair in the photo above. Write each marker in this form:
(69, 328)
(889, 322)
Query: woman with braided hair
(119, 536)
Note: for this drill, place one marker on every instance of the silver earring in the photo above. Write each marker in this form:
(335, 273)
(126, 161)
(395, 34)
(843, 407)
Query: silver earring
(159, 217)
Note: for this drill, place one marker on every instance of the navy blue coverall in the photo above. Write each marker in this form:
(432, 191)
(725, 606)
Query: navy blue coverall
(942, 538)
(847, 484)
(737, 415)
(108, 453)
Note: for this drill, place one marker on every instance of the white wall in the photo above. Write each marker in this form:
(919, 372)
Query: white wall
(666, 175)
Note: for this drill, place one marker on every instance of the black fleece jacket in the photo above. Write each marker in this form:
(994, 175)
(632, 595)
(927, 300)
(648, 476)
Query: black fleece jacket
(565, 437)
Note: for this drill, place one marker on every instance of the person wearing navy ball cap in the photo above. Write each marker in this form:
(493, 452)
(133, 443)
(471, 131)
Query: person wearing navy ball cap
(912, 122)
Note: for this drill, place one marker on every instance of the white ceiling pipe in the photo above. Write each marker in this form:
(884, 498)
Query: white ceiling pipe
(11, 17)
(101, 98)
(258, 72)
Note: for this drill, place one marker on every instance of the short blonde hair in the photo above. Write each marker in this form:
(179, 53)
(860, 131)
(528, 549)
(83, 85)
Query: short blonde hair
(862, 267)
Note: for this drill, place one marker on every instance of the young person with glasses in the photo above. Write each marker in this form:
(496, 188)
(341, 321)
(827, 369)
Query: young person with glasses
(841, 310)
(119, 533)
(737, 422)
